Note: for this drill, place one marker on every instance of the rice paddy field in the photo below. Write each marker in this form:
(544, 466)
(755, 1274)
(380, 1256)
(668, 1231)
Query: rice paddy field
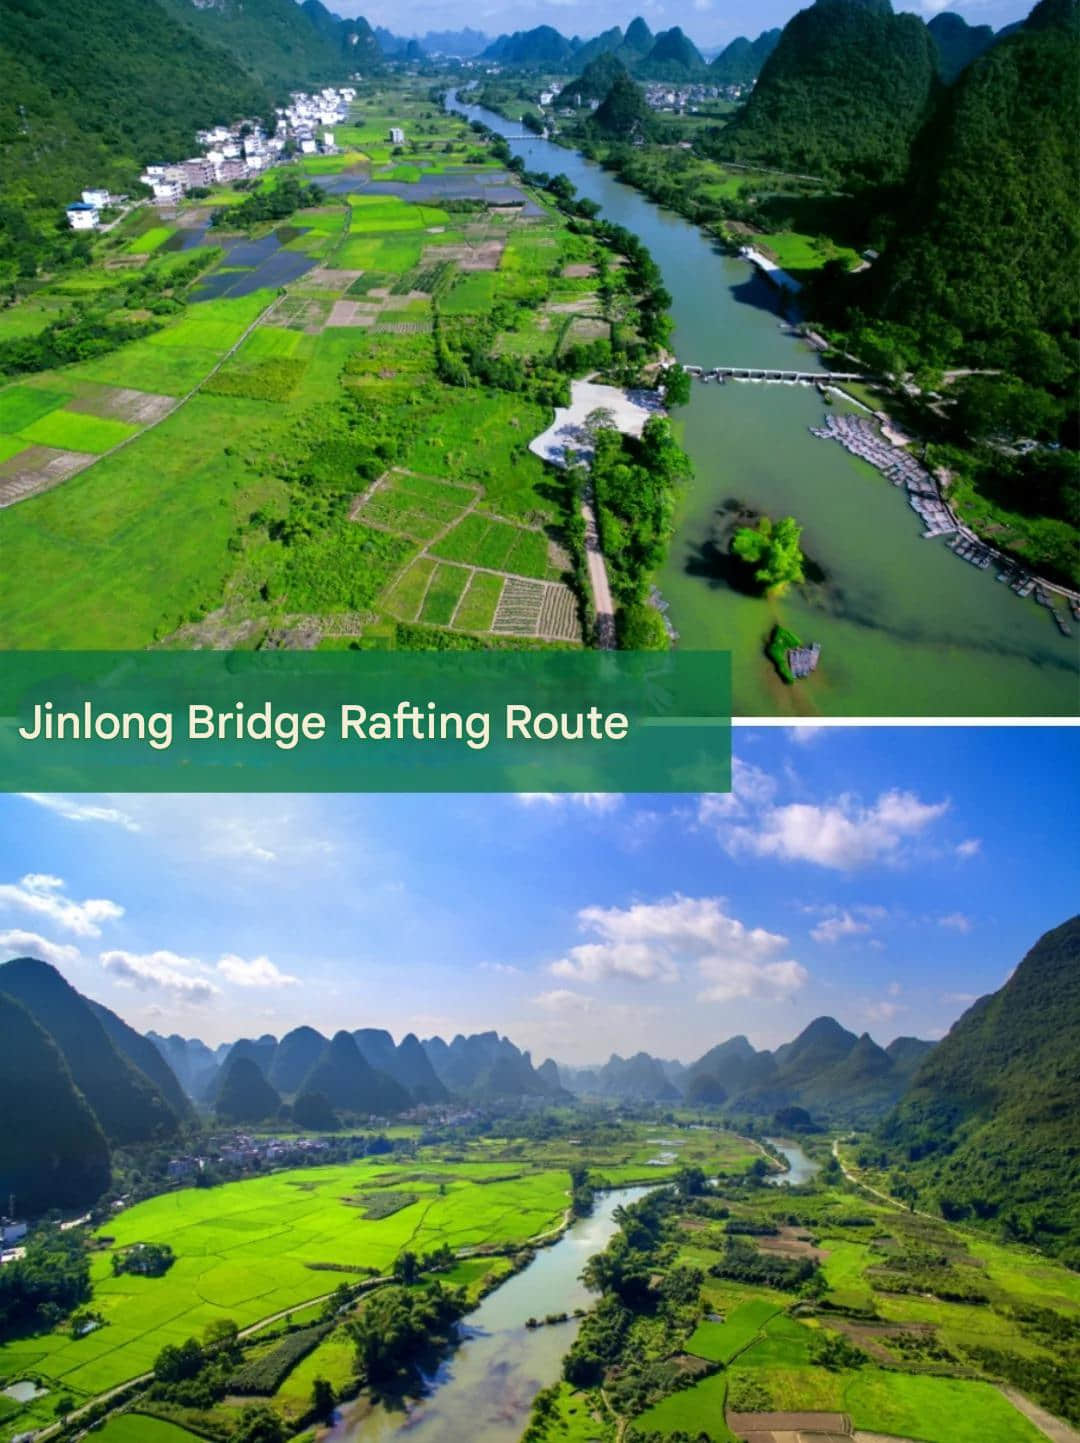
(143, 489)
(253, 1249)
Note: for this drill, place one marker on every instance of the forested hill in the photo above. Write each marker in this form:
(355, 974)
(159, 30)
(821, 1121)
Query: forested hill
(92, 92)
(841, 96)
(958, 43)
(987, 250)
(740, 62)
(987, 1130)
(280, 42)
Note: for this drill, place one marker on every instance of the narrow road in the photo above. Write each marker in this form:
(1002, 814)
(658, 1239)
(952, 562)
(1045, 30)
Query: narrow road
(598, 578)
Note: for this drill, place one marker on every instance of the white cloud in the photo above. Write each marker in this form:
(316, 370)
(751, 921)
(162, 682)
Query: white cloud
(42, 894)
(600, 802)
(970, 848)
(843, 834)
(751, 787)
(17, 943)
(882, 1011)
(259, 972)
(651, 942)
(562, 999)
(842, 924)
(806, 732)
(161, 971)
(956, 921)
(74, 811)
(504, 969)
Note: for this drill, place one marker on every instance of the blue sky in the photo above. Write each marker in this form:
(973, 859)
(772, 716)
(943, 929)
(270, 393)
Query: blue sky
(707, 22)
(884, 875)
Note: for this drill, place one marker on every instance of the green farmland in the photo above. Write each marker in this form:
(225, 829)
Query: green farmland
(249, 468)
(253, 1249)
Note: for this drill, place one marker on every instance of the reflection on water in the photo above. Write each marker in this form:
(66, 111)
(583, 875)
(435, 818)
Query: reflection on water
(800, 1167)
(483, 1391)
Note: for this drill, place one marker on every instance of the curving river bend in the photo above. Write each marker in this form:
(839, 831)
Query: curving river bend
(906, 628)
(483, 1391)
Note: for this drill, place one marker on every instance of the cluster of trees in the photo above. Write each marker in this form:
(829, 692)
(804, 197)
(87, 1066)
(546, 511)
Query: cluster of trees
(398, 1324)
(277, 202)
(582, 1192)
(635, 480)
(773, 550)
(746, 1264)
(152, 1260)
(47, 1283)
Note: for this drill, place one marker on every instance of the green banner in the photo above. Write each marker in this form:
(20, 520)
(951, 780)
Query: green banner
(365, 721)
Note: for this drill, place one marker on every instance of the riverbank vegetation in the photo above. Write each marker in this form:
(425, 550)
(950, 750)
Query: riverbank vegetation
(743, 1298)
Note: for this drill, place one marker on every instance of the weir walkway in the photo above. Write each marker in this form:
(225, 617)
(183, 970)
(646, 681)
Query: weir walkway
(759, 373)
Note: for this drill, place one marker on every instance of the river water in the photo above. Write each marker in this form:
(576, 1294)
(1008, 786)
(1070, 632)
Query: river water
(484, 1390)
(800, 1167)
(906, 628)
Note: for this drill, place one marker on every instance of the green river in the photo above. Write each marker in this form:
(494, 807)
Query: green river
(906, 628)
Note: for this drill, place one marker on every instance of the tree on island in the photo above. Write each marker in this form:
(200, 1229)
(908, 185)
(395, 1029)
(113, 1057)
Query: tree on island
(676, 384)
(773, 549)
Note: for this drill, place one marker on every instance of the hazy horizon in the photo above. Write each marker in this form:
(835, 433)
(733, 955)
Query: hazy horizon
(708, 23)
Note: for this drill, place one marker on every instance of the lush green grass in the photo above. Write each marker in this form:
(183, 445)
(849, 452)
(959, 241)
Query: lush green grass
(719, 1342)
(477, 609)
(168, 370)
(443, 594)
(404, 597)
(242, 1252)
(695, 1410)
(843, 1269)
(11, 446)
(122, 552)
(937, 1410)
(497, 545)
(334, 1359)
(149, 240)
(471, 294)
(21, 406)
(795, 252)
(76, 431)
(139, 1428)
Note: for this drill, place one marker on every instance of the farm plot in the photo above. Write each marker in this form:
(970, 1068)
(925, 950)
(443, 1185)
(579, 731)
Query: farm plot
(122, 403)
(406, 595)
(496, 545)
(38, 468)
(720, 1342)
(518, 612)
(250, 1249)
(21, 406)
(560, 617)
(476, 611)
(443, 594)
(415, 506)
(66, 430)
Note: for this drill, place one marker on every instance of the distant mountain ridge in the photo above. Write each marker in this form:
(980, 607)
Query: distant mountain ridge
(826, 1070)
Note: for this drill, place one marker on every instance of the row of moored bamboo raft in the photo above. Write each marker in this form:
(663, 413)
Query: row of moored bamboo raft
(860, 437)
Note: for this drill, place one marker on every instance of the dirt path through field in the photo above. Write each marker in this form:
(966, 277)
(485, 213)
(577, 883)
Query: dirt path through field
(598, 578)
(1056, 1430)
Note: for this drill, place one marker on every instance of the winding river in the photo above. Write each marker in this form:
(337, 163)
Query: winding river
(906, 628)
(485, 1388)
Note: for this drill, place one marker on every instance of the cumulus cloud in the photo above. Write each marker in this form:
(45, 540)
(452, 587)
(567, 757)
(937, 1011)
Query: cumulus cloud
(259, 972)
(956, 922)
(75, 811)
(43, 895)
(843, 834)
(16, 943)
(562, 999)
(969, 848)
(161, 971)
(751, 787)
(652, 942)
(841, 924)
(590, 801)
